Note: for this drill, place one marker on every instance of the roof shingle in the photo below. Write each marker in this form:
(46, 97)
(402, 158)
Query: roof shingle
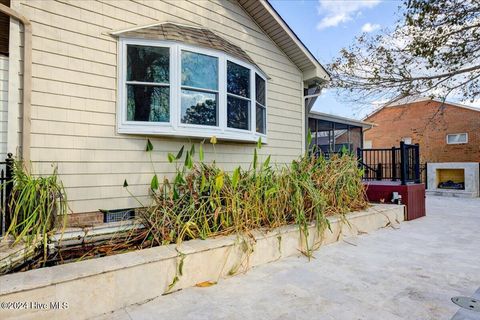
(191, 35)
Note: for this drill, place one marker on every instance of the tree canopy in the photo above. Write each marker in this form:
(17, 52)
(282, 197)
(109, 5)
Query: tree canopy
(434, 50)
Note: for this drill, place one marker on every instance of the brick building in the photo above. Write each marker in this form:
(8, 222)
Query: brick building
(446, 132)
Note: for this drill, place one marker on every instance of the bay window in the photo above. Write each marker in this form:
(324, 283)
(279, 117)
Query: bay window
(147, 84)
(169, 88)
(199, 89)
(238, 96)
(260, 107)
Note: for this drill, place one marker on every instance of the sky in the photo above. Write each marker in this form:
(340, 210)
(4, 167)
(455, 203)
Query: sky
(326, 26)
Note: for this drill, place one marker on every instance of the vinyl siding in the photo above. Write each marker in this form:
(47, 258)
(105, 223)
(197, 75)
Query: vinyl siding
(74, 95)
(3, 106)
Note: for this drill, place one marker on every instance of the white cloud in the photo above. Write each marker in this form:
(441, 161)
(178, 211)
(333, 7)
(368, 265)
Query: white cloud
(369, 27)
(336, 12)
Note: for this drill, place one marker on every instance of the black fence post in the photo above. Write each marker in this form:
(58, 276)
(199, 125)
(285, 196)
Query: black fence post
(8, 188)
(403, 163)
(379, 171)
(394, 164)
(416, 163)
(359, 154)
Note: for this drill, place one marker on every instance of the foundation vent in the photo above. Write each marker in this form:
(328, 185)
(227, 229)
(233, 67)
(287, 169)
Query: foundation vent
(118, 215)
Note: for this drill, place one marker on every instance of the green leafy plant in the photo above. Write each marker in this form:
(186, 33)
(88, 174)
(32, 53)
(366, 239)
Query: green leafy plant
(38, 205)
(202, 200)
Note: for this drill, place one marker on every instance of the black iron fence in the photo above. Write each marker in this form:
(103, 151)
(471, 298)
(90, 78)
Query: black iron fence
(6, 182)
(394, 164)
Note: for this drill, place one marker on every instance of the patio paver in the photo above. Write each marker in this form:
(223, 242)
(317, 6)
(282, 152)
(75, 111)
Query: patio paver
(407, 273)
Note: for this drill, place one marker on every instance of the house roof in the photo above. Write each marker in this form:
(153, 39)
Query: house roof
(188, 34)
(413, 99)
(278, 30)
(264, 15)
(338, 119)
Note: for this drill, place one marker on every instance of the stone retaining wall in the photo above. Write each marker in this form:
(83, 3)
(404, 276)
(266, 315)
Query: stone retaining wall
(93, 287)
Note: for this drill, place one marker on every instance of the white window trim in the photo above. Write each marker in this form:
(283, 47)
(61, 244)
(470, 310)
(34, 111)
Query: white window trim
(263, 106)
(457, 134)
(174, 127)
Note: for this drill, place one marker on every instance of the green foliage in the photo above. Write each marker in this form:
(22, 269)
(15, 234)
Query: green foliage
(259, 143)
(235, 177)
(201, 155)
(149, 146)
(36, 205)
(180, 153)
(204, 201)
(154, 183)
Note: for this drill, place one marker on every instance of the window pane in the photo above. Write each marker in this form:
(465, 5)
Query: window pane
(457, 138)
(238, 80)
(148, 103)
(199, 108)
(260, 89)
(260, 118)
(238, 113)
(199, 70)
(147, 64)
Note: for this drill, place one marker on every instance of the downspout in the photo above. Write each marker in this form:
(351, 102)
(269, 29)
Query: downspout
(27, 80)
(307, 109)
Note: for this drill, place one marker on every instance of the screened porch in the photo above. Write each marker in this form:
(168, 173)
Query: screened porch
(332, 134)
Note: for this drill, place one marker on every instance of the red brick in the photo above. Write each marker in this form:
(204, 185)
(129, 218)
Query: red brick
(84, 219)
(428, 123)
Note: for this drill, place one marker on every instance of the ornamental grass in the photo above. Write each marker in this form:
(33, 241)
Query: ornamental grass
(202, 200)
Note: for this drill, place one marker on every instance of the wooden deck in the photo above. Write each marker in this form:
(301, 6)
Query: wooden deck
(413, 195)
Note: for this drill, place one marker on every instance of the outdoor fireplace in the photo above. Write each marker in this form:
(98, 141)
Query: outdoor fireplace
(451, 179)
(457, 179)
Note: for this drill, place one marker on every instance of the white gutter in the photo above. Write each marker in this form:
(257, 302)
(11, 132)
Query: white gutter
(27, 80)
(316, 95)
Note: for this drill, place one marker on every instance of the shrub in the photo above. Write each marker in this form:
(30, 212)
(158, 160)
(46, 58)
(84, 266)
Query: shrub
(202, 200)
(35, 204)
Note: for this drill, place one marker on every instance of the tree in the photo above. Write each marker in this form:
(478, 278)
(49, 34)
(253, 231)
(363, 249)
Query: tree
(204, 112)
(146, 64)
(434, 50)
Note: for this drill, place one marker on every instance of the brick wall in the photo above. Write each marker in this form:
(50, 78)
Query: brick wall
(86, 219)
(428, 123)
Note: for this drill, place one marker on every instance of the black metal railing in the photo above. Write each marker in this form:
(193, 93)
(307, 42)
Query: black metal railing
(327, 155)
(394, 164)
(6, 182)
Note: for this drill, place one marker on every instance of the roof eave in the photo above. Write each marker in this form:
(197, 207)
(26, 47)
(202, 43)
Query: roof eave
(339, 119)
(319, 72)
(315, 77)
(315, 73)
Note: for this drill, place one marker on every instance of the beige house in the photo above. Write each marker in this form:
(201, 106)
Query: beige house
(96, 78)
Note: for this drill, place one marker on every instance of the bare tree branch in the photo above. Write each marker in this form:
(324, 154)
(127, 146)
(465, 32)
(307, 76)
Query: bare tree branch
(434, 50)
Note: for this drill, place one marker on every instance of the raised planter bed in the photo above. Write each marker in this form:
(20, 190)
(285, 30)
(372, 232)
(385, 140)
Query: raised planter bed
(93, 287)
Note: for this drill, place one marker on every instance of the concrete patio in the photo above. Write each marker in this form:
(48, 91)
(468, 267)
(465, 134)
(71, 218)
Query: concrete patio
(406, 273)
